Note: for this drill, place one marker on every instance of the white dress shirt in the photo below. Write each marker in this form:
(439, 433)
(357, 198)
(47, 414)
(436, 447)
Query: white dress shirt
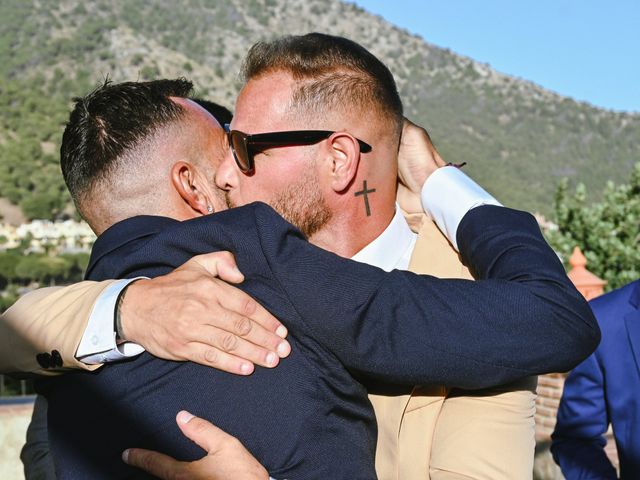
(447, 196)
(98, 344)
(392, 249)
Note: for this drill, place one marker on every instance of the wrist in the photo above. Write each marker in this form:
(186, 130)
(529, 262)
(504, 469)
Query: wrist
(123, 313)
(422, 177)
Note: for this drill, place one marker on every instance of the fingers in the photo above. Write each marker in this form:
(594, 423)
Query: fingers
(157, 464)
(238, 302)
(203, 433)
(436, 156)
(230, 335)
(191, 315)
(417, 157)
(409, 201)
(226, 456)
(410, 128)
(209, 356)
(258, 346)
(223, 265)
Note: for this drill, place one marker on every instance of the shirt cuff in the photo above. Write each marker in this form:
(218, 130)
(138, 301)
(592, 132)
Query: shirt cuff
(98, 343)
(447, 196)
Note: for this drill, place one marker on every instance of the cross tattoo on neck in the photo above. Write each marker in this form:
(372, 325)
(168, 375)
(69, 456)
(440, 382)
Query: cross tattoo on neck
(365, 193)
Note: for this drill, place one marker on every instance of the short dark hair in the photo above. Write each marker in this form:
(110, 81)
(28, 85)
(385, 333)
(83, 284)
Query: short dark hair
(329, 70)
(110, 121)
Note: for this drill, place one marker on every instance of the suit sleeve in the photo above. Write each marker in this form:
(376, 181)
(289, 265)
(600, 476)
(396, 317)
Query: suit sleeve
(578, 440)
(45, 320)
(522, 317)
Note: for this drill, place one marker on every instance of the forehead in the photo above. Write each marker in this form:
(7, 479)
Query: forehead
(264, 103)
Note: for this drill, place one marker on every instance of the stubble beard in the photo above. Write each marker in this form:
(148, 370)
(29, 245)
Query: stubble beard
(300, 203)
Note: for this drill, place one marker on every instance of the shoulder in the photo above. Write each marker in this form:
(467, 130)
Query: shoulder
(610, 311)
(612, 306)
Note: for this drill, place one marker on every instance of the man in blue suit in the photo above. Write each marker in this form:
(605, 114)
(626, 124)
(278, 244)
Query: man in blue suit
(604, 390)
(310, 417)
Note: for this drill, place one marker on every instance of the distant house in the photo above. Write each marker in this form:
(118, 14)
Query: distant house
(66, 236)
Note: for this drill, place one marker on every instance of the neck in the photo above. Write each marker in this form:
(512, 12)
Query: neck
(346, 235)
(101, 216)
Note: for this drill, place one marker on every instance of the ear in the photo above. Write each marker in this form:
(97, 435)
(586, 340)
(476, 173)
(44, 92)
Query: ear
(188, 183)
(344, 153)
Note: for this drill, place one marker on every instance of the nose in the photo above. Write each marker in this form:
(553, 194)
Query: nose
(227, 173)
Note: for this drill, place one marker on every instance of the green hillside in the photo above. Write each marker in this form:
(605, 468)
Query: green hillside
(517, 138)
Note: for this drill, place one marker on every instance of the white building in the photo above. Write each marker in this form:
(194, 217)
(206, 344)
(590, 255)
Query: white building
(64, 236)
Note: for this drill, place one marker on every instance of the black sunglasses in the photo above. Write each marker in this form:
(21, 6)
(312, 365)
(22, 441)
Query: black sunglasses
(244, 146)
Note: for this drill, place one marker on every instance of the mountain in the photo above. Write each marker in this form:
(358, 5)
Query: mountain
(519, 139)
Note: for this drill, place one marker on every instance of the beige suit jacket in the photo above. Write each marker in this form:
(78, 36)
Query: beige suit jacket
(442, 434)
(45, 320)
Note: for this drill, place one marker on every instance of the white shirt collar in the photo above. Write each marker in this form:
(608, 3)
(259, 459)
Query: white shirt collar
(392, 249)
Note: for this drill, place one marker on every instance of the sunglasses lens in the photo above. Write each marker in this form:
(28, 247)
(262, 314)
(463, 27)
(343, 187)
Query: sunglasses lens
(240, 151)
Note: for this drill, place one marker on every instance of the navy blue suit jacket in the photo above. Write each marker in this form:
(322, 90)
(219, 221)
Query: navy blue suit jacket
(309, 417)
(603, 390)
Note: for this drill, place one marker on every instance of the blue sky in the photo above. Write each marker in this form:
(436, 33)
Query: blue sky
(586, 49)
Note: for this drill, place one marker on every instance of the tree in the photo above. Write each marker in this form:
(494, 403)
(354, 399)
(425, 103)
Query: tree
(42, 268)
(608, 232)
(31, 269)
(8, 262)
(41, 205)
(6, 300)
(78, 263)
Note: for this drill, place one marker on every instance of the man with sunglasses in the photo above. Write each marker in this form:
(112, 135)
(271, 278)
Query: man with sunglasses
(342, 193)
(421, 434)
(313, 225)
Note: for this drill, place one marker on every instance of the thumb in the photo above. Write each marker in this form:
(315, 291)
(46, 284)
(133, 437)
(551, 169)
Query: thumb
(201, 432)
(227, 268)
(219, 264)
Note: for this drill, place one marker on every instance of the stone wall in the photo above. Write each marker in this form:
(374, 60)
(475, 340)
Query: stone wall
(549, 394)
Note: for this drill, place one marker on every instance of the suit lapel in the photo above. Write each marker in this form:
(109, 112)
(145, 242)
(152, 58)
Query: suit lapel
(632, 322)
(406, 423)
(432, 255)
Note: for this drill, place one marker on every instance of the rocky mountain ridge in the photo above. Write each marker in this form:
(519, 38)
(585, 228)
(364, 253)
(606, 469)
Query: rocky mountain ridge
(519, 139)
